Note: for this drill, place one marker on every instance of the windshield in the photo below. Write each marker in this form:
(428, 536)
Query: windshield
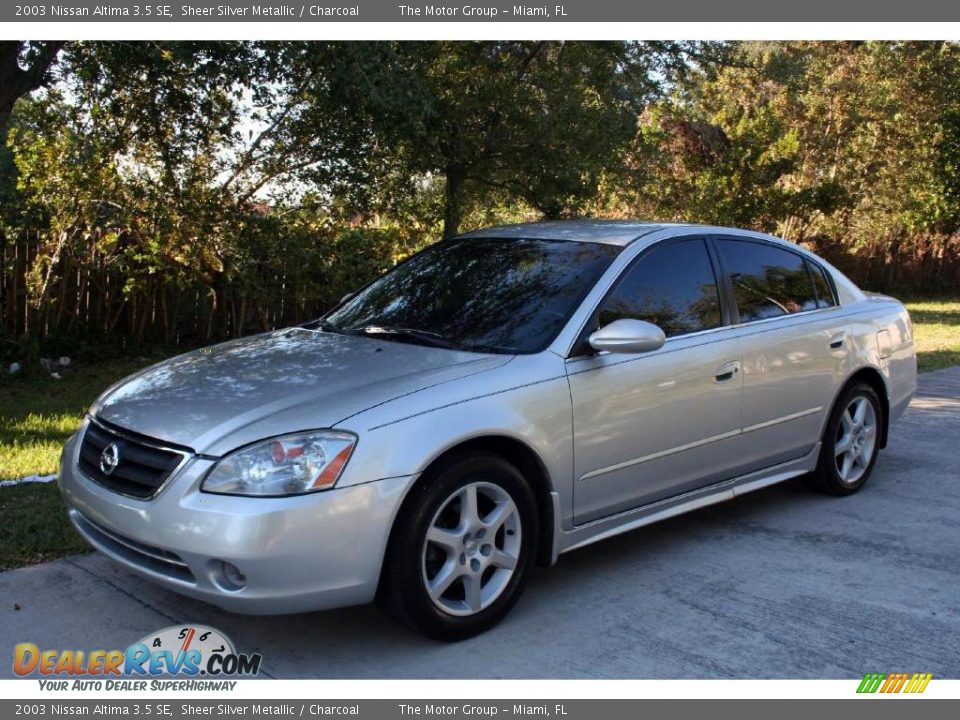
(484, 295)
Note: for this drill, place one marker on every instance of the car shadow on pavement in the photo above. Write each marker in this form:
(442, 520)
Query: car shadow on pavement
(591, 591)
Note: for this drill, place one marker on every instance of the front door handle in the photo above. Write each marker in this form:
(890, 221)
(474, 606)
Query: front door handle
(726, 372)
(836, 342)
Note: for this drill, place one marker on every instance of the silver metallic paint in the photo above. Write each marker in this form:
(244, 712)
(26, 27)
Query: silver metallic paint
(657, 435)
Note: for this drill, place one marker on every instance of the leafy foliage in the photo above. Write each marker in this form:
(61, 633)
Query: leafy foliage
(852, 147)
(190, 191)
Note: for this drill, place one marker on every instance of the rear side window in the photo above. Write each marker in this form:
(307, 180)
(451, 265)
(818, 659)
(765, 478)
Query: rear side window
(767, 281)
(824, 290)
(671, 285)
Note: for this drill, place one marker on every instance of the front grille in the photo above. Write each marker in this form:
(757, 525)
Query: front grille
(142, 466)
(133, 551)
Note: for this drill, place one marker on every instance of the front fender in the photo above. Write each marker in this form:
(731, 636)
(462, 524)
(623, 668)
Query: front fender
(527, 405)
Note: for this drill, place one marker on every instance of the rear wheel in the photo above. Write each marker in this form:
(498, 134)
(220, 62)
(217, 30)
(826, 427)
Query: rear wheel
(458, 556)
(851, 442)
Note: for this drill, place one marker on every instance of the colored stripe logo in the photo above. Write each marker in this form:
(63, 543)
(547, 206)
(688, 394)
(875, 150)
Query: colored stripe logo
(894, 682)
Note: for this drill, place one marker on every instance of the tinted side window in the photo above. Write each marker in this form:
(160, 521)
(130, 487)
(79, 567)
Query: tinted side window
(767, 281)
(672, 286)
(821, 285)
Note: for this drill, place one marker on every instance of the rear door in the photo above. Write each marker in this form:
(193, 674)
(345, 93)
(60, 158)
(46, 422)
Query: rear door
(793, 345)
(652, 425)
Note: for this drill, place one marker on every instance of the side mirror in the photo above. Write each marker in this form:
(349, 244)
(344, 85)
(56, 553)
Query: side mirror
(628, 336)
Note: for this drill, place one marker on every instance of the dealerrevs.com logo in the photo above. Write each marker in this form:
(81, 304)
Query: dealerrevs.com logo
(180, 651)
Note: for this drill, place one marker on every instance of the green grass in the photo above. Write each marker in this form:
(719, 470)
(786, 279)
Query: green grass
(34, 526)
(38, 414)
(936, 326)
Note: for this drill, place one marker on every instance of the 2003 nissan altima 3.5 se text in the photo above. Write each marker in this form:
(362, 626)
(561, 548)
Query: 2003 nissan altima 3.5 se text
(494, 401)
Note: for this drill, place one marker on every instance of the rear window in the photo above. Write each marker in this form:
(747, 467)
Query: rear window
(825, 296)
(767, 281)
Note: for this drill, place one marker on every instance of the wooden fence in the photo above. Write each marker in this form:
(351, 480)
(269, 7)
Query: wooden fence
(897, 265)
(88, 294)
(89, 297)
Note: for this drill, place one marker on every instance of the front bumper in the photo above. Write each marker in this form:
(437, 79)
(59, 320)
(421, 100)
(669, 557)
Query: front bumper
(297, 554)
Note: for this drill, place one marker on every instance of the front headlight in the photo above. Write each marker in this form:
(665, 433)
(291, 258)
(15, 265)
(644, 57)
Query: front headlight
(286, 465)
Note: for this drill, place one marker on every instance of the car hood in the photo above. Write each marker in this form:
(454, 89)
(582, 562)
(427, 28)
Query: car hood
(221, 397)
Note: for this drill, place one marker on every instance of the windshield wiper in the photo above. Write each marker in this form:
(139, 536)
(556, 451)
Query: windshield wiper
(322, 325)
(422, 336)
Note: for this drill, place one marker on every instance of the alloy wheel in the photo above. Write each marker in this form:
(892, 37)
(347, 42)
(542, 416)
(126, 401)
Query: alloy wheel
(471, 549)
(856, 440)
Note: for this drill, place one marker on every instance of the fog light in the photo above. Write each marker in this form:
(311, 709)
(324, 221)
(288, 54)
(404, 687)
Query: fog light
(229, 577)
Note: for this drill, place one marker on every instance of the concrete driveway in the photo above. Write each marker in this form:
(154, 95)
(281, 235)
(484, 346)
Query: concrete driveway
(782, 583)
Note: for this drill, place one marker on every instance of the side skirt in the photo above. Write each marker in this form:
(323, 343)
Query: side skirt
(604, 528)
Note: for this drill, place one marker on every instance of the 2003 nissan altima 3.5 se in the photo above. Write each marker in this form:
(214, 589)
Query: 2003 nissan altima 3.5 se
(494, 401)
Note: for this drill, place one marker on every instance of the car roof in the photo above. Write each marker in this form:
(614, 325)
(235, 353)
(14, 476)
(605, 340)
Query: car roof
(608, 232)
(623, 232)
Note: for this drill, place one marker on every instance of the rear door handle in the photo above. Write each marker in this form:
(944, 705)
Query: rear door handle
(836, 342)
(726, 372)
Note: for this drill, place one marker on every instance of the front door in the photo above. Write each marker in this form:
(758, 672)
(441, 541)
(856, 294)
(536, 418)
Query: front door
(653, 425)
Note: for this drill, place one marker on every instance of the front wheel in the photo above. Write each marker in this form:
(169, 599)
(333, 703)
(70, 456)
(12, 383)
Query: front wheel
(851, 442)
(458, 556)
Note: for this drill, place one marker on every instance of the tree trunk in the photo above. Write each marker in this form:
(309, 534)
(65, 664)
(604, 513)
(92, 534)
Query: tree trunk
(15, 81)
(452, 201)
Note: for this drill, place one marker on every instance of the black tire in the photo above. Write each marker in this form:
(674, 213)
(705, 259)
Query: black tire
(403, 593)
(828, 476)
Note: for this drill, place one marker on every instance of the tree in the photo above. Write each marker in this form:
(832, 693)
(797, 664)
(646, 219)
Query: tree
(24, 67)
(122, 161)
(181, 165)
(535, 122)
(852, 146)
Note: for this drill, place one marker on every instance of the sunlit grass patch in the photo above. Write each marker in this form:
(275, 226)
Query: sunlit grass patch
(936, 325)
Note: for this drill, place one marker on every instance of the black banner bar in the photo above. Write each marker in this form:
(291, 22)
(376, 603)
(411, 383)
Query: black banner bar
(481, 11)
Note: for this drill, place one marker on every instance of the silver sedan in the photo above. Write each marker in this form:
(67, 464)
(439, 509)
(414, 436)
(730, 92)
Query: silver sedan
(492, 402)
